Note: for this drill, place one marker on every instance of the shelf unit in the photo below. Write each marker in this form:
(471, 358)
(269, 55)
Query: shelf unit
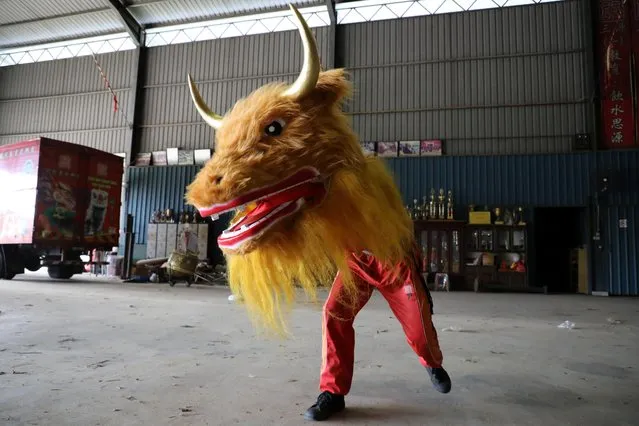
(489, 252)
(441, 244)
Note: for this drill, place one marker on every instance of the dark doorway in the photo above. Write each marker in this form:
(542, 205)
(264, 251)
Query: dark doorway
(557, 231)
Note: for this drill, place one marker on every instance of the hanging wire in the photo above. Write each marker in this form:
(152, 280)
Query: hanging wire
(107, 84)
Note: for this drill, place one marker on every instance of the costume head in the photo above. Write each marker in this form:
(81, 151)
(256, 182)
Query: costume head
(305, 196)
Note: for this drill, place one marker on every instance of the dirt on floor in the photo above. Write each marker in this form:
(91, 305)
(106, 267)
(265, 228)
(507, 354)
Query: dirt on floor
(89, 352)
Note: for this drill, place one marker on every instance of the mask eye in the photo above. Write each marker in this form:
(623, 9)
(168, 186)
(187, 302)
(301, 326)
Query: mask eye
(274, 128)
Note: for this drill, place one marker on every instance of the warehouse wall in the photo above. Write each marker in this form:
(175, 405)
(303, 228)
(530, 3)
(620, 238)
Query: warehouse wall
(158, 188)
(225, 70)
(546, 180)
(550, 180)
(502, 81)
(66, 99)
(619, 270)
(514, 80)
(542, 180)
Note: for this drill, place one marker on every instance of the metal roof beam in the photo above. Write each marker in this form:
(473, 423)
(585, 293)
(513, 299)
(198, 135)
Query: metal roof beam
(132, 26)
(330, 6)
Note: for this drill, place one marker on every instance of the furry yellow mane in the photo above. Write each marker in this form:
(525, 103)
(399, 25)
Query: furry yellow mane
(363, 211)
(269, 136)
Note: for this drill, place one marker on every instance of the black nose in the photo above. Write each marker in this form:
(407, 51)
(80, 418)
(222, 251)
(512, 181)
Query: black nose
(218, 180)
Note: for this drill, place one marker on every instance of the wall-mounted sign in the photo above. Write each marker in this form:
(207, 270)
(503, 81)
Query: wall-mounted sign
(430, 147)
(409, 148)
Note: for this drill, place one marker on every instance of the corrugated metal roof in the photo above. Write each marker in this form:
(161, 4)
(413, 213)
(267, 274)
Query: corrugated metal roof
(30, 10)
(166, 12)
(30, 22)
(46, 30)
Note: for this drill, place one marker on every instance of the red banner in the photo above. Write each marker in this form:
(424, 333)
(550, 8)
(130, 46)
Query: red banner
(615, 54)
(635, 62)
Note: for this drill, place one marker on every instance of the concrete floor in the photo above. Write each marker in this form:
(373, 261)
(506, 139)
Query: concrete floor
(101, 353)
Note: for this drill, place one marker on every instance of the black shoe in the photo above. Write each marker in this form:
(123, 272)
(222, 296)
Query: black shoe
(327, 404)
(440, 379)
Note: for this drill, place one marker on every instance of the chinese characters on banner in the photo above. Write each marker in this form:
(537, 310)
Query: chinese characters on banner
(635, 48)
(615, 50)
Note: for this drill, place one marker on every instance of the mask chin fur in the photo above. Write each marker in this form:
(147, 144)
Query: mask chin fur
(309, 254)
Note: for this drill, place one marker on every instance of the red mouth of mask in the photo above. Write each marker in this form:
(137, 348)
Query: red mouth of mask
(262, 208)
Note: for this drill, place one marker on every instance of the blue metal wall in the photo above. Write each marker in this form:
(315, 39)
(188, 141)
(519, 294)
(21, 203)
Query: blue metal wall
(530, 180)
(617, 264)
(156, 188)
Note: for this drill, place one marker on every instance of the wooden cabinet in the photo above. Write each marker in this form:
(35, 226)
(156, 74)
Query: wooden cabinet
(441, 247)
(496, 257)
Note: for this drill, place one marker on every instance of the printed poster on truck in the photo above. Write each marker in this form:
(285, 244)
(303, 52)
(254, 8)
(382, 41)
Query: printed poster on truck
(58, 195)
(18, 175)
(102, 217)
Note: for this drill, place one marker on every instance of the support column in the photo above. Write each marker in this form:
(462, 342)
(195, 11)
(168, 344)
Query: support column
(135, 103)
(135, 108)
(332, 34)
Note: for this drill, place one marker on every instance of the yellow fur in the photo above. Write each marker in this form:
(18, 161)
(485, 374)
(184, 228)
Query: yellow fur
(363, 209)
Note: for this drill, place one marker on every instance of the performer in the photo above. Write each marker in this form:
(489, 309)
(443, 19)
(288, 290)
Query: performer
(311, 209)
(410, 301)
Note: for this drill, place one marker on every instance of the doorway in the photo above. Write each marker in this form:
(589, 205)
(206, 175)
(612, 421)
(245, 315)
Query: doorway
(557, 231)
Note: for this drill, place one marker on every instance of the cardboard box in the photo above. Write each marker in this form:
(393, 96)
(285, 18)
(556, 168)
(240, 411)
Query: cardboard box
(479, 218)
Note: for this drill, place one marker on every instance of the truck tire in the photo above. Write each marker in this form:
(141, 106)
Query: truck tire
(61, 272)
(32, 264)
(5, 274)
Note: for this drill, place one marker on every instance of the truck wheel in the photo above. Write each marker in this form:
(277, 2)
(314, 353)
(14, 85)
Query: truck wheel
(32, 264)
(4, 274)
(63, 272)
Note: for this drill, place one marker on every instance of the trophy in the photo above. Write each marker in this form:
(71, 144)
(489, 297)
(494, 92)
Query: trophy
(425, 209)
(417, 210)
(169, 216)
(516, 218)
(520, 216)
(432, 207)
(508, 218)
(499, 220)
(449, 206)
(441, 214)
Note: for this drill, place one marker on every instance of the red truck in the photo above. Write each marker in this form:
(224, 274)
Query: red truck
(58, 200)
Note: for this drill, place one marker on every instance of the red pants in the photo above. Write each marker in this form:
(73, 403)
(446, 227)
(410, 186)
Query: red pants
(409, 300)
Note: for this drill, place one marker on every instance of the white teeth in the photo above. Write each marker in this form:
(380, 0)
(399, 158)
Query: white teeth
(243, 228)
